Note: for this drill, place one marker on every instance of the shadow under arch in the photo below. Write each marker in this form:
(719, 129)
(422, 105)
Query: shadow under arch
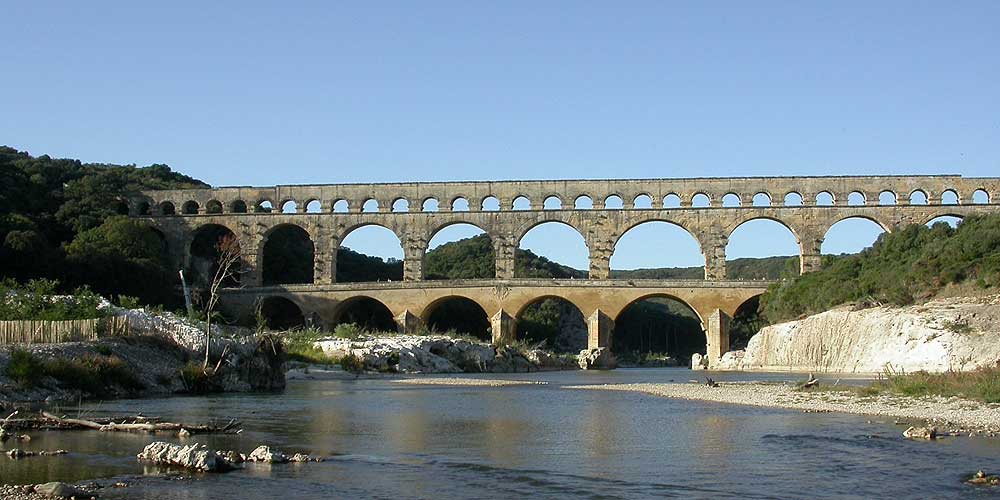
(459, 314)
(287, 255)
(356, 266)
(554, 321)
(655, 325)
(746, 322)
(204, 254)
(281, 313)
(367, 313)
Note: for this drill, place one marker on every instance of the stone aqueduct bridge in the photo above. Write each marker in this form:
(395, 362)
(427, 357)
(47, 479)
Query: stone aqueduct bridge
(328, 213)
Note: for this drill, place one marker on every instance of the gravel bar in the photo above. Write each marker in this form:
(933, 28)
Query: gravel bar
(955, 414)
(481, 382)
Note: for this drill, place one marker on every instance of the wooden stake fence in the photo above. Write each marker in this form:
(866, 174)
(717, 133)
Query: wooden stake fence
(50, 332)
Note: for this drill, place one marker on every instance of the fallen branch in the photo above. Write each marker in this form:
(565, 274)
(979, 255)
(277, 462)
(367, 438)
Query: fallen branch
(142, 424)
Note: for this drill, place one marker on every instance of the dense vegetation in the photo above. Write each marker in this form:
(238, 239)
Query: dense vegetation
(37, 300)
(57, 220)
(908, 265)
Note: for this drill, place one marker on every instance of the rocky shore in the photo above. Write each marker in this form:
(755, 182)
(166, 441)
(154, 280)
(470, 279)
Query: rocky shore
(953, 415)
(153, 360)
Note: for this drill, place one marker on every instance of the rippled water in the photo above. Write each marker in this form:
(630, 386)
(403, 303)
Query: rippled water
(392, 440)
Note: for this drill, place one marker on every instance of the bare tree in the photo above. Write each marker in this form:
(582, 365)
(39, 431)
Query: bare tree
(227, 271)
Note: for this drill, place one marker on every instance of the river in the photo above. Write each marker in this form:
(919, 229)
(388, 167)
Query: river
(391, 440)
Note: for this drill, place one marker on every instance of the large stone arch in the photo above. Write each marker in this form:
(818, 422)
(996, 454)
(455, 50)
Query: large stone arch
(268, 249)
(201, 255)
(697, 323)
(463, 319)
(380, 317)
(432, 231)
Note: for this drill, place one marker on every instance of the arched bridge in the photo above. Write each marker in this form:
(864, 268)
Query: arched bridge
(710, 209)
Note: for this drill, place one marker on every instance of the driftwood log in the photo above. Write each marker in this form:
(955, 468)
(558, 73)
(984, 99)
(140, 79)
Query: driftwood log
(140, 423)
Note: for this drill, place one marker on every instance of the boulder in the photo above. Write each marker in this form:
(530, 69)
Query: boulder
(61, 490)
(194, 456)
(920, 433)
(729, 361)
(599, 358)
(699, 362)
(264, 454)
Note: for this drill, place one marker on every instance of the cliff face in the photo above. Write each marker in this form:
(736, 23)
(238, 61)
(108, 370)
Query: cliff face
(956, 334)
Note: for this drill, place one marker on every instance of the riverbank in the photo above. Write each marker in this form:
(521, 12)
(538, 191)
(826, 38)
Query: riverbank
(162, 355)
(951, 415)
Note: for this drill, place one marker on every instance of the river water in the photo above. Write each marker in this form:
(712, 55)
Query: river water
(391, 440)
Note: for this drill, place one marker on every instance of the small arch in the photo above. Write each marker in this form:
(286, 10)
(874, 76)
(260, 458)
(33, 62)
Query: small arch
(238, 207)
(460, 204)
(189, 208)
(167, 208)
(851, 235)
(555, 322)
(887, 198)
(314, 207)
(521, 203)
(949, 197)
(793, 199)
(370, 206)
(367, 313)
(654, 327)
(458, 315)
(918, 197)
(825, 199)
(264, 206)
(401, 205)
(280, 313)
(613, 202)
(671, 201)
(490, 204)
(761, 200)
(856, 198)
(429, 205)
(341, 206)
(980, 197)
(583, 202)
(731, 200)
(643, 201)
(287, 255)
(701, 200)
(552, 203)
(213, 207)
(142, 208)
(289, 207)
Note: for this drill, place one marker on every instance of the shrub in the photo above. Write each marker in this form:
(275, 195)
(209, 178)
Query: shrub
(352, 364)
(24, 368)
(348, 331)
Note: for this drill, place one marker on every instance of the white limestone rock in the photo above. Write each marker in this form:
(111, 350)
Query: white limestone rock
(194, 456)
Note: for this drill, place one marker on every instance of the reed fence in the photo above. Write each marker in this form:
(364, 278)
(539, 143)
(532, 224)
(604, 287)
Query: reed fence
(50, 332)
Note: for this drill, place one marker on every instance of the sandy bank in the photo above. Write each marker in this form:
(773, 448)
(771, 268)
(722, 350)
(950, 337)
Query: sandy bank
(952, 414)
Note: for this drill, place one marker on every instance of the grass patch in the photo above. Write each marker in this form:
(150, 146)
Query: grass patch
(94, 374)
(979, 385)
(300, 346)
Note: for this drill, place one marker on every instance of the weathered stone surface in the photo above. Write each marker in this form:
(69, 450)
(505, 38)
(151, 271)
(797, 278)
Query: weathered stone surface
(920, 433)
(949, 334)
(61, 490)
(698, 362)
(194, 456)
(600, 358)
(265, 454)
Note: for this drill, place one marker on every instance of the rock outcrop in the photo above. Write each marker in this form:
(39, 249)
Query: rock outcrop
(600, 358)
(941, 335)
(194, 456)
(439, 354)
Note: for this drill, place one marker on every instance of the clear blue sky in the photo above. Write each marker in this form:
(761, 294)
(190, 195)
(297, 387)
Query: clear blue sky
(252, 93)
